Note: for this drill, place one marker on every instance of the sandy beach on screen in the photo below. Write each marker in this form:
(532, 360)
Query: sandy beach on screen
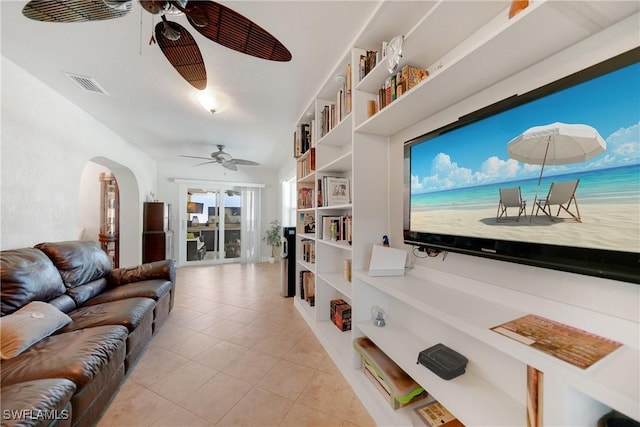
(605, 226)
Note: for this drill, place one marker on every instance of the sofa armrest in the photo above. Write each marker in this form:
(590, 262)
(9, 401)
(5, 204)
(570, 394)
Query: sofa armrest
(164, 269)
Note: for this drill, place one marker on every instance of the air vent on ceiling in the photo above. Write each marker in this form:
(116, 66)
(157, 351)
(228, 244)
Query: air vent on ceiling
(87, 84)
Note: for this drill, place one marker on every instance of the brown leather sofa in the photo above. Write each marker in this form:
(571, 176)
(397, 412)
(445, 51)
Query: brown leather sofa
(103, 319)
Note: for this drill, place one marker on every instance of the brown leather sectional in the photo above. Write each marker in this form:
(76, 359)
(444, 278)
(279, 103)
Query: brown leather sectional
(68, 378)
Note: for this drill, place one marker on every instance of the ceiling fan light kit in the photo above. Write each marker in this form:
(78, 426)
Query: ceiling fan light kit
(212, 20)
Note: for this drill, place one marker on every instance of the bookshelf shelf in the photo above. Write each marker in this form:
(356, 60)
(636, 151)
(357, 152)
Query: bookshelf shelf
(339, 164)
(307, 266)
(449, 79)
(417, 53)
(345, 246)
(340, 135)
(484, 404)
(610, 381)
(337, 281)
(345, 206)
(470, 49)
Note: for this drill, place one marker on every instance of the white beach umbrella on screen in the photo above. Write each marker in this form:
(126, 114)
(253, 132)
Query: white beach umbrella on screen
(556, 144)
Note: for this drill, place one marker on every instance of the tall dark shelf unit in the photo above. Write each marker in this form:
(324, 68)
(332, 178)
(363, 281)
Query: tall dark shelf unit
(154, 235)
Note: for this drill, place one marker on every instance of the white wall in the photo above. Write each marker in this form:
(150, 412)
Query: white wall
(618, 299)
(169, 191)
(46, 144)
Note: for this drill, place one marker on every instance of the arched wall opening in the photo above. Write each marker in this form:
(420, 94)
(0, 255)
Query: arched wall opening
(130, 238)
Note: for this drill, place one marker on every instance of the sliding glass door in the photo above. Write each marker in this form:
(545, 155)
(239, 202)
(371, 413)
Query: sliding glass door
(222, 225)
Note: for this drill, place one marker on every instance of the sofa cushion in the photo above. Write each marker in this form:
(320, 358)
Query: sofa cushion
(79, 262)
(78, 356)
(83, 293)
(27, 275)
(34, 403)
(127, 312)
(164, 269)
(153, 289)
(63, 303)
(25, 327)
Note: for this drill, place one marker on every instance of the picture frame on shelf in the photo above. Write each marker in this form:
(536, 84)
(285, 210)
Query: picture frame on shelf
(338, 191)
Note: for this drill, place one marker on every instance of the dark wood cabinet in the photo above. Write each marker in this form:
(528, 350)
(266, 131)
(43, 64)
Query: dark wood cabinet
(155, 225)
(155, 217)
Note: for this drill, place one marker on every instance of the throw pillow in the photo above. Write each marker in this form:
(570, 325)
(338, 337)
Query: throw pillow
(25, 327)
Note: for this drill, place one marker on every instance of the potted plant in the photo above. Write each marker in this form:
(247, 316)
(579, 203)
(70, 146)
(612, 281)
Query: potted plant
(272, 238)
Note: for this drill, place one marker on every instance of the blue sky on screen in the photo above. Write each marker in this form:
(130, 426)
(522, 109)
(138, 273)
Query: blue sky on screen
(476, 154)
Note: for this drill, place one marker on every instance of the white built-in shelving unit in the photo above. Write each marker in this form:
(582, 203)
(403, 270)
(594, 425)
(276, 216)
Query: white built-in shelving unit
(467, 46)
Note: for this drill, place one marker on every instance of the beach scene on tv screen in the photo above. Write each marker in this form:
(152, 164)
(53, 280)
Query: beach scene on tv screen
(563, 169)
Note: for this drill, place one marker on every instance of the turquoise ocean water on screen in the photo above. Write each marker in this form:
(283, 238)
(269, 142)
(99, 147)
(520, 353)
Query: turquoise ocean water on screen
(603, 186)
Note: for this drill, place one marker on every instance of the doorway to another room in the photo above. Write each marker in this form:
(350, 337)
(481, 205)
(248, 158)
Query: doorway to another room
(221, 225)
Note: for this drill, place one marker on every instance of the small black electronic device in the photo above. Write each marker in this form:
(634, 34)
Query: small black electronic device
(443, 361)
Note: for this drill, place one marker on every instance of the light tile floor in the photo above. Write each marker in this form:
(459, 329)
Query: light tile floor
(234, 353)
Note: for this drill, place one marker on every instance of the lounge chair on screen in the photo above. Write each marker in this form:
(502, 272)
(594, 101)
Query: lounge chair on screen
(511, 198)
(562, 194)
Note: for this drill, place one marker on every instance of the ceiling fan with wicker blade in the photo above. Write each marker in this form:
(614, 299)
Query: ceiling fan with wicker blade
(224, 159)
(213, 20)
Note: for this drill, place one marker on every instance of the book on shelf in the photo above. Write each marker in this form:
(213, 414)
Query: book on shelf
(435, 414)
(310, 288)
(340, 314)
(337, 228)
(307, 164)
(336, 191)
(305, 197)
(396, 85)
(301, 140)
(575, 346)
(534, 397)
(308, 250)
(368, 62)
(308, 222)
(320, 194)
(331, 114)
(347, 269)
(306, 283)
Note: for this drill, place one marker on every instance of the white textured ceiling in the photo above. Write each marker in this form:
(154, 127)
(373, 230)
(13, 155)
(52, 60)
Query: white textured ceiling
(151, 106)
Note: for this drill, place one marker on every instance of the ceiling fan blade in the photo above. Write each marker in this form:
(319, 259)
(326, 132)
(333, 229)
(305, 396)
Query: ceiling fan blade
(230, 29)
(245, 162)
(75, 10)
(206, 163)
(182, 53)
(230, 165)
(195, 157)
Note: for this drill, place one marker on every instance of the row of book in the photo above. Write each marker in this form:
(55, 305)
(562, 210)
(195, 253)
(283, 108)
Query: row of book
(302, 139)
(333, 191)
(330, 115)
(307, 164)
(308, 250)
(337, 228)
(396, 85)
(307, 285)
(368, 62)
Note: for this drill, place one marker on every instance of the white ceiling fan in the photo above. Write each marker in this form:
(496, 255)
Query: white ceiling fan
(223, 158)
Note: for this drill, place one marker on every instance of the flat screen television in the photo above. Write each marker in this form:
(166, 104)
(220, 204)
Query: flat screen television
(453, 177)
(194, 207)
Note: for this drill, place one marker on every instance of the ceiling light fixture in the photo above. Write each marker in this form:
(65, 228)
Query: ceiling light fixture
(208, 102)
